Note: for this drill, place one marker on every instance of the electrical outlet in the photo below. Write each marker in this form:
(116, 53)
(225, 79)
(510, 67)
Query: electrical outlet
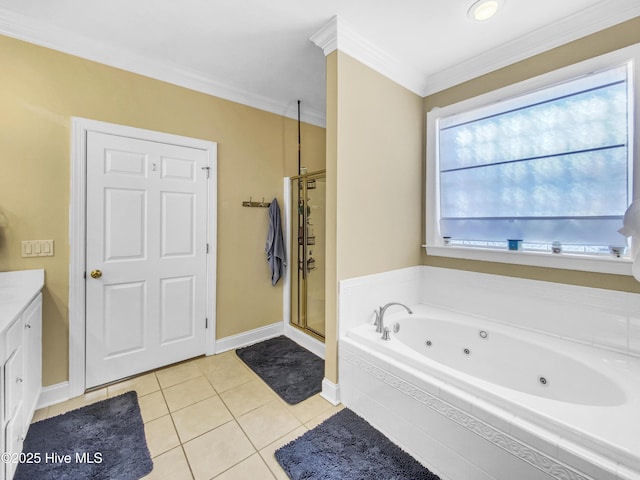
(37, 248)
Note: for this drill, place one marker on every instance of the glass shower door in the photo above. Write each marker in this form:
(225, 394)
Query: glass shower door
(308, 287)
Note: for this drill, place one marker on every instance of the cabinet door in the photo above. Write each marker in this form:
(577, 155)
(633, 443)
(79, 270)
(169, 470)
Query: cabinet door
(15, 439)
(14, 382)
(32, 318)
(14, 393)
(2, 418)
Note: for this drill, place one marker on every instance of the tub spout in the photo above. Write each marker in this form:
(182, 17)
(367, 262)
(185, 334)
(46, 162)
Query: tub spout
(385, 334)
(380, 316)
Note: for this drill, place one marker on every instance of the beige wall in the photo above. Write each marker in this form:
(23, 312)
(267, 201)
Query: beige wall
(41, 89)
(331, 279)
(376, 169)
(599, 43)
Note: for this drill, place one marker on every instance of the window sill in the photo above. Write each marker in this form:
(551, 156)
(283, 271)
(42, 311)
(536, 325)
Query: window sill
(600, 264)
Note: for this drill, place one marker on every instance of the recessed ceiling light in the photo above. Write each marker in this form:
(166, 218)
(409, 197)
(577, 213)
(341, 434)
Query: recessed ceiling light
(484, 9)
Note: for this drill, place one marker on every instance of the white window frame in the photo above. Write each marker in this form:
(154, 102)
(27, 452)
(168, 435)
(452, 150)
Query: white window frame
(596, 263)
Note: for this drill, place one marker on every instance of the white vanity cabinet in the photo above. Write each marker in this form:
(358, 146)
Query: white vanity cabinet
(32, 318)
(20, 359)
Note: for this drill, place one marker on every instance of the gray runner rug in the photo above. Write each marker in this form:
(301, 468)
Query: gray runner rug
(291, 371)
(346, 447)
(102, 441)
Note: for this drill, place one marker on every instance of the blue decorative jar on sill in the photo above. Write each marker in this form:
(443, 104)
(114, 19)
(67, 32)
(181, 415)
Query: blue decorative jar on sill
(514, 243)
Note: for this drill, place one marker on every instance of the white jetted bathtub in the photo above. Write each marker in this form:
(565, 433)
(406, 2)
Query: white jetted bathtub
(474, 399)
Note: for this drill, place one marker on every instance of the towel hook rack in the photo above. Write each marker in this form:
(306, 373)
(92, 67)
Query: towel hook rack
(251, 203)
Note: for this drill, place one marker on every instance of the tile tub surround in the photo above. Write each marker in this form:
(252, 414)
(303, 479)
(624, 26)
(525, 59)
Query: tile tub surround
(552, 428)
(443, 434)
(359, 297)
(463, 429)
(602, 318)
(211, 418)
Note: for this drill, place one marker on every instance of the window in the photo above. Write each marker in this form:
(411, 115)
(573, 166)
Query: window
(547, 160)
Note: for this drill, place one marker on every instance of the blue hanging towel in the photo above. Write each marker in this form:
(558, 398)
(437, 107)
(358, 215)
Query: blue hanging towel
(275, 244)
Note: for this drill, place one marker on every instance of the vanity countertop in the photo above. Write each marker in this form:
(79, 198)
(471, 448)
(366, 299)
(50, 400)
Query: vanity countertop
(17, 289)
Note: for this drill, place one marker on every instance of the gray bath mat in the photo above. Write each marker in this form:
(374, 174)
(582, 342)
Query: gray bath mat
(102, 441)
(291, 371)
(346, 447)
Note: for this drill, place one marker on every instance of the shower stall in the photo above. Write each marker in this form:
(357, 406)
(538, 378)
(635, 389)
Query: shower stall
(308, 192)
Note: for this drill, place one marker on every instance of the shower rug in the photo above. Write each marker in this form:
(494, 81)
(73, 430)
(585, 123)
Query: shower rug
(291, 371)
(346, 447)
(102, 441)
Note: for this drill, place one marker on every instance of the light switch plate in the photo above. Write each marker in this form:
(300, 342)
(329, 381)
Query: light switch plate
(37, 248)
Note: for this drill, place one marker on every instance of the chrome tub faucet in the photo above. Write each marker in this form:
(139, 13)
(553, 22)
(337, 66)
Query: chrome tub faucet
(379, 323)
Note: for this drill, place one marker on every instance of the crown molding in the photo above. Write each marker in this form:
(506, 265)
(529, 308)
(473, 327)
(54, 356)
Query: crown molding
(327, 37)
(40, 33)
(590, 20)
(339, 35)
(336, 34)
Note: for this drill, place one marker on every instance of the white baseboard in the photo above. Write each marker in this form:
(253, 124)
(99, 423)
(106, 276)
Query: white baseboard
(53, 394)
(330, 392)
(248, 338)
(60, 392)
(307, 341)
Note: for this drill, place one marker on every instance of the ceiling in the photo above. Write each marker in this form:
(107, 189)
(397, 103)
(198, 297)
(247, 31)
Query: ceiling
(260, 53)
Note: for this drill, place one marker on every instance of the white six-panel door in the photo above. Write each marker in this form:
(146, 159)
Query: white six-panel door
(146, 247)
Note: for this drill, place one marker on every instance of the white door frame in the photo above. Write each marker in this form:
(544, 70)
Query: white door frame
(77, 235)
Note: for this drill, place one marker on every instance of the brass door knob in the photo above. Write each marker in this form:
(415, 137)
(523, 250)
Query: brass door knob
(96, 273)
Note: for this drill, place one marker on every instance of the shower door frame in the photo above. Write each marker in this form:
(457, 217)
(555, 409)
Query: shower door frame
(294, 242)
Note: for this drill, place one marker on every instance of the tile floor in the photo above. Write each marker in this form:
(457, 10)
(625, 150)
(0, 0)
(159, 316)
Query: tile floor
(211, 418)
